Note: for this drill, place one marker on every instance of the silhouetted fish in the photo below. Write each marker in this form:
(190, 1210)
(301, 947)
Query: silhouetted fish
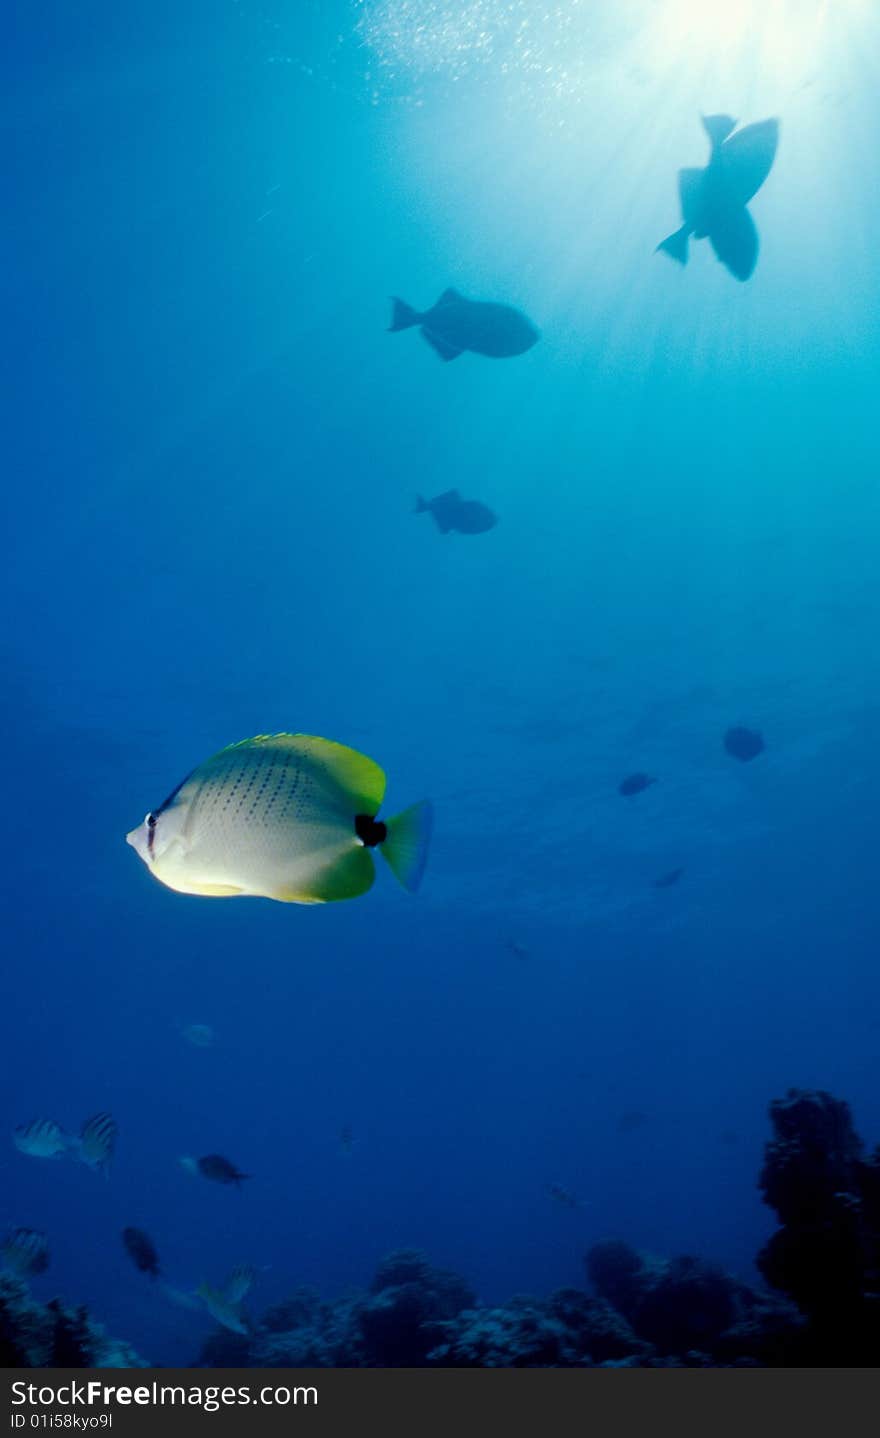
(714, 199)
(455, 324)
(141, 1250)
(451, 512)
(665, 881)
(563, 1196)
(634, 784)
(215, 1167)
(742, 743)
(631, 1120)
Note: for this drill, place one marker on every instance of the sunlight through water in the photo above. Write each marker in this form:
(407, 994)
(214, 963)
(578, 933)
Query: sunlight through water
(545, 51)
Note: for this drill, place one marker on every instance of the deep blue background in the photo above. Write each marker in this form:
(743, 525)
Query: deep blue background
(212, 451)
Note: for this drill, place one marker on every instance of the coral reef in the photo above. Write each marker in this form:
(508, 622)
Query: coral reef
(36, 1335)
(687, 1308)
(826, 1254)
(649, 1313)
(823, 1265)
(568, 1330)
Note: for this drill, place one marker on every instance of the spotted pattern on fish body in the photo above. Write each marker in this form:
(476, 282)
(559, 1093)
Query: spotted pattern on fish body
(281, 816)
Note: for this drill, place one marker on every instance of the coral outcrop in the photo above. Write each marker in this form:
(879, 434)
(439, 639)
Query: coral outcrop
(687, 1308)
(37, 1335)
(822, 1308)
(826, 1254)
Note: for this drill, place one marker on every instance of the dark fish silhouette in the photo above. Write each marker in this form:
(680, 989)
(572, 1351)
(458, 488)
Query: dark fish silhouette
(455, 324)
(634, 784)
(451, 512)
(665, 881)
(141, 1250)
(215, 1167)
(25, 1252)
(742, 743)
(714, 200)
(562, 1195)
(631, 1120)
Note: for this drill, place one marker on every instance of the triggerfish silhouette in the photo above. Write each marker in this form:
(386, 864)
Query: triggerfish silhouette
(452, 513)
(455, 324)
(714, 199)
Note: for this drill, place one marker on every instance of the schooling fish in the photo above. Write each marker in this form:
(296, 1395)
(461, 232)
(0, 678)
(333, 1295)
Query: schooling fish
(215, 1167)
(282, 816)
(25, 1252)
(41, 1138)
(451, 512)
(714, 199)
(141, 1250)
(97, 1142)
(455, 324)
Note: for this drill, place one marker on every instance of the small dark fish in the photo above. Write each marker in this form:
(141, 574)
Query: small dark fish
(25, 1252)
(714, 200)
(563, 1196)
(632, 1120)
(215, 1167)
(346, 1139)
(451, 512)
(634, 784)
(141, 1250)
(518, 949)
(455, 324)
(665, 881)
(742, 743)
(97, 1142)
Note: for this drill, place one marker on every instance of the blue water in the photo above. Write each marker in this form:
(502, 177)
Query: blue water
(212, 452)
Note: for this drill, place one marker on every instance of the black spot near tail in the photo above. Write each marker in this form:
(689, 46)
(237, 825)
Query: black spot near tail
(370, 831)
